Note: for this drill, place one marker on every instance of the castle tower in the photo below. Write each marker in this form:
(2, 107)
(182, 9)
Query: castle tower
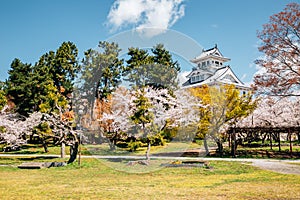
(210, 69)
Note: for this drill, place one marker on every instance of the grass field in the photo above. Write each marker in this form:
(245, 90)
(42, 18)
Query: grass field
(104, 149)
(95, 180)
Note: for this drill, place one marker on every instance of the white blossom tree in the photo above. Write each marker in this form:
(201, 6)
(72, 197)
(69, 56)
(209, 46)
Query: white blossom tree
(179, 109)
(274, 113)
(15, 128)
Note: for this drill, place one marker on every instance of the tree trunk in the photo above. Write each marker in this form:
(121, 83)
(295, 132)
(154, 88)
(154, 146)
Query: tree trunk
(112, 146)
(263, 138)
(206, 147)
(63, 150)
(148, 151)
(45, 145)
(290, 139)
(73, 152)
(229, 140)
(220, 147)
(279, 143)
(271, 145)
(233, 144)
(30, 138)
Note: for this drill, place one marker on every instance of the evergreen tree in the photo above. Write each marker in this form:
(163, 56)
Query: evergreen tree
(48, 97)
(156, 69)
(141, 114)
(46, 85)
(19, 88)
(165, 69)
(64, 67)
(102, 70)
(139, 67)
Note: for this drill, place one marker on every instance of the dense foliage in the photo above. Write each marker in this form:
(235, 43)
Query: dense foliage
(46, 85)
(223, 107)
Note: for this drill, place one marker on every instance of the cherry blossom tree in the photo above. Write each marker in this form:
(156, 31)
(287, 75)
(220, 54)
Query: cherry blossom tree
(14, 130)
(274, 113)
(15, 127)
(179, 109)
(280, 74)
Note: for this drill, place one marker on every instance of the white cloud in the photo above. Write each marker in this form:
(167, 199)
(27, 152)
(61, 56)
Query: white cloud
(149, 17)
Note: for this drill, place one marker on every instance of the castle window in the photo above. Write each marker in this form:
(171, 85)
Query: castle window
(193, 79)
(201, 77)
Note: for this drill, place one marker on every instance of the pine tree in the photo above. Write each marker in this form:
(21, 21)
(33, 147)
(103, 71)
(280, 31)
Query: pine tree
(102, 70)
(19, 87)
(157, 69)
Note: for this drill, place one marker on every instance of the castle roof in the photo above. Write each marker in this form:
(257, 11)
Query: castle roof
(210, 53)
(223, 75)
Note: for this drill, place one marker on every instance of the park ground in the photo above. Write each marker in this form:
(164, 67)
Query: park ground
(106, 178)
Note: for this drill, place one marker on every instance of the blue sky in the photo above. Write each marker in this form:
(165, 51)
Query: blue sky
(30, 28)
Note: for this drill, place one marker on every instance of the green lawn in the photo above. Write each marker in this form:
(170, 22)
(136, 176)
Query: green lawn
(103, 149)
(95, 180)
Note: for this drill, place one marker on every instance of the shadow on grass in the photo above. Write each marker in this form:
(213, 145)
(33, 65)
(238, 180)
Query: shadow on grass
(259, 153)
(38, 158)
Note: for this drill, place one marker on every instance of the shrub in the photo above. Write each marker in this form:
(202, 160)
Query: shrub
(134, 145)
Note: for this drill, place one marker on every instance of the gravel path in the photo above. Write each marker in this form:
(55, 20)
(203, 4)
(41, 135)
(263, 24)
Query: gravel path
(278, 166)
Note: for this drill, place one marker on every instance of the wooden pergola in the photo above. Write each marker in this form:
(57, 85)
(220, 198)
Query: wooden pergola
(233, 131)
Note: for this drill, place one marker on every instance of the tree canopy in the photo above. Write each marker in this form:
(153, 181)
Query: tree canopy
(157, 69)
(223, 106)
(280, 44)
(102, 70)
(45, 85)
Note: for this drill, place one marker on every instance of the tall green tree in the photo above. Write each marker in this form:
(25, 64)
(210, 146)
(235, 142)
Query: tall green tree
(19, 88)
(101, 73)
(156, 69)
(48, 83)
(48, 96)
(61, 66)
(102, 69)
